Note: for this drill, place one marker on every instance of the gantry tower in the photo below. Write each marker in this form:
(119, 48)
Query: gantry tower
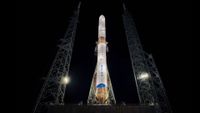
(53, 90)
(149, 85)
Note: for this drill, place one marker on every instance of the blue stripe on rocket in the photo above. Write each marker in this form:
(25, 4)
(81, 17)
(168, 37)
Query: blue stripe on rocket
(101, 85)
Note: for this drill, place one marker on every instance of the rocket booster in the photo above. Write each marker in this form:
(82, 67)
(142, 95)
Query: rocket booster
(101, 68)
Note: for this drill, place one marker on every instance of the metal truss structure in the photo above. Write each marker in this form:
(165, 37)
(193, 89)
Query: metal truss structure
(150, 89)
(162, 102)
(53, 90)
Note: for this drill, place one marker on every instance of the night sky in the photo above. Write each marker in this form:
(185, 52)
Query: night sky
(164, 28)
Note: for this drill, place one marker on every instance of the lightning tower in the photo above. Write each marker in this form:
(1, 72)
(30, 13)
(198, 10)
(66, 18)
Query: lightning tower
(151, 91)
(53, 90)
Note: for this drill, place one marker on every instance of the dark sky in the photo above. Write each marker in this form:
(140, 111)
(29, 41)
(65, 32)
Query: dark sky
(164, 28)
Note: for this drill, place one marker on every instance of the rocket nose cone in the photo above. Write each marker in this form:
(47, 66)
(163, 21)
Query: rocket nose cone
(101, 17)
(102, 29)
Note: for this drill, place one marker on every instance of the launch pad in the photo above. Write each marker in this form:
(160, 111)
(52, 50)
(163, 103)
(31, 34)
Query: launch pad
(101, 98)
(100, 109)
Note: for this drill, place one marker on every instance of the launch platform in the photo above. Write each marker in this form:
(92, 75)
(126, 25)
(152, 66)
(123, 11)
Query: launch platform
(100, 109)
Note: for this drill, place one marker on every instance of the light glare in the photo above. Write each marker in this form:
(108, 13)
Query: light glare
(144, 76)
(65, 80)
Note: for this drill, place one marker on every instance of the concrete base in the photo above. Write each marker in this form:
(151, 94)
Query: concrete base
(100, 109)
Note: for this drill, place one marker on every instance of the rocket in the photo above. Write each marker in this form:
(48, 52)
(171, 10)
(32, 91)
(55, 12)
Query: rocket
(101, 91)
(101, 83)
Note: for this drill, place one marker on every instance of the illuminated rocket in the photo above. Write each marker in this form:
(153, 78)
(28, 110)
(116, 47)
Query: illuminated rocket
(101, 89)
(101, 68)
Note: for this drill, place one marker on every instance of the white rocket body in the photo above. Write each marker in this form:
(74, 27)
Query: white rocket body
(101, 68)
